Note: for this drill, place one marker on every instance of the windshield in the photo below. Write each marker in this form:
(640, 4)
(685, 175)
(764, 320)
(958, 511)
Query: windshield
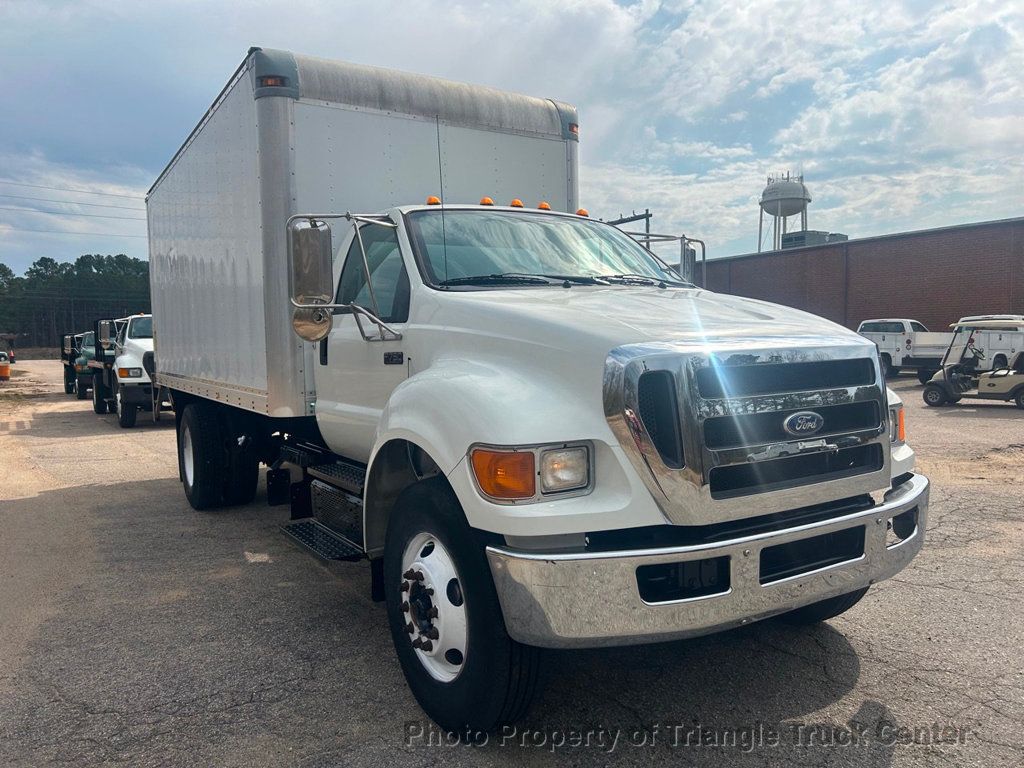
(482, 244)
(141, 328)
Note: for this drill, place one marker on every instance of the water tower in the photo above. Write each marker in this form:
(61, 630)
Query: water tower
(784, 196)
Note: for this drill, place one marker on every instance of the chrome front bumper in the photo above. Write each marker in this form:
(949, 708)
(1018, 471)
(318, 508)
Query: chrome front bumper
(585, 600)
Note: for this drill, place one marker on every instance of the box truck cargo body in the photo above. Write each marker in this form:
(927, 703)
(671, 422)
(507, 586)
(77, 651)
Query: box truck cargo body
(293, 133)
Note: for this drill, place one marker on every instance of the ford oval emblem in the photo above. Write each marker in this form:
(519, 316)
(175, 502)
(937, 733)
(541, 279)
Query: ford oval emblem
(803, 423)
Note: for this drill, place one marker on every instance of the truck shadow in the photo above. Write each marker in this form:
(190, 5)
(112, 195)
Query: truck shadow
(76, 419)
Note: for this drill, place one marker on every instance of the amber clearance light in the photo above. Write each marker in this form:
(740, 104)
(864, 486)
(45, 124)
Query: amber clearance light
(505, 474)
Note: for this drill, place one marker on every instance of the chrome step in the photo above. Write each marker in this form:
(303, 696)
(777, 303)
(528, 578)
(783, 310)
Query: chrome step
(342, 474)
(322, 541)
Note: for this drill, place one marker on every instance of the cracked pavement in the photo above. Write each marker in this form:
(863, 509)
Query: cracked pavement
(136, 631)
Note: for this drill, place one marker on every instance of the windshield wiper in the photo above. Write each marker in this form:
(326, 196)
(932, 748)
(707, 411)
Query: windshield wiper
(634, 279)
(507, 278)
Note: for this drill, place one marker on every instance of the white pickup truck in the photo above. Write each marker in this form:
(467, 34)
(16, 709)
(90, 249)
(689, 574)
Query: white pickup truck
(537, 434)
(906, 344)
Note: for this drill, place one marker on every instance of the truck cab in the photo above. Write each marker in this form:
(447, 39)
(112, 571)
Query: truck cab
(121, 380)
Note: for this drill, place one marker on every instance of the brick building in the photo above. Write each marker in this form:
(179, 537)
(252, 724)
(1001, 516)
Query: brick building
(936, 276)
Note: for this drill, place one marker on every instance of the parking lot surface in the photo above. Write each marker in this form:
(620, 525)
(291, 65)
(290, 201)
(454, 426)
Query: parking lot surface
(137, 631)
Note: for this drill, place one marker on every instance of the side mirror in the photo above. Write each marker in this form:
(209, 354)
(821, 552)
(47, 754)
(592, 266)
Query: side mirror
(311, 262)
(67, 347)
(105, 334)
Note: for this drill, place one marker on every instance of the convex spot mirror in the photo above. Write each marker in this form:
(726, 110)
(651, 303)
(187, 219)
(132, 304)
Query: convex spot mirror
(311, 255)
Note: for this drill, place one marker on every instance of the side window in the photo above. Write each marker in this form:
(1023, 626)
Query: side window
(389, 278)
(870, 328)
(916, 326)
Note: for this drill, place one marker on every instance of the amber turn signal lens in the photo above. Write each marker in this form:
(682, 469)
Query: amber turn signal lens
(505, 474)
(901, 426)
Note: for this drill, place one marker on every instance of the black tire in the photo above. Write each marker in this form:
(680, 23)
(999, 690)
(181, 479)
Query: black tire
(1019, 399)
(125, 413)
(500, 677)
(886, 363)
(934, 396)
(81, 391)
(200, 432)
(925, 376)
(99, 405)
(69, 383)
(815, 613)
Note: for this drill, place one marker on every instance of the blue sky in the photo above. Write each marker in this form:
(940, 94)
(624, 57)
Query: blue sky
(901, 115)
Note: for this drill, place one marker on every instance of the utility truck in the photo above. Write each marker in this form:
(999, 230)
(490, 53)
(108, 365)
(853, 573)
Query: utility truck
(122, 366)
(76, 350)
(538, 434)
(906, 344)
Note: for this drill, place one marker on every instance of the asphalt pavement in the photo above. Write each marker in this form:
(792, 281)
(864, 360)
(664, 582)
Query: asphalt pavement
(137, 631)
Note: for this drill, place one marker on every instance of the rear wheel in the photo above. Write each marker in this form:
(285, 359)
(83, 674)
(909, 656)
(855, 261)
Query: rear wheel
(446, 622)
(1019, 399)
(825, 609)
(201, 456)
(934, 395)
(99, 404)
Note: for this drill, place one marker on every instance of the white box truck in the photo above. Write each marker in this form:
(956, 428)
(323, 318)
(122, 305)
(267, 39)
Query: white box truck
(538, 434)
(905, 344)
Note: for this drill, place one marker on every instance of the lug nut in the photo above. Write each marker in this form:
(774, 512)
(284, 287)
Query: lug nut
(405, 607)
(432, 633)
(426, 646)
(409, 628)
(429, 590)
(405, 586)
(417, 643)
(432, 613)
(410, 574)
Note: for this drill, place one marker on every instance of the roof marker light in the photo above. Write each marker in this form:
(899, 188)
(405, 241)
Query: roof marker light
(486, 201)
(271, 81)
(433, 200)
(544, 205)
(516, 203)
(583, 212)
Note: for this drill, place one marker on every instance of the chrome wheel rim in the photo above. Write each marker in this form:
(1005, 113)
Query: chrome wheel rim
(187, 460)
(434, 607)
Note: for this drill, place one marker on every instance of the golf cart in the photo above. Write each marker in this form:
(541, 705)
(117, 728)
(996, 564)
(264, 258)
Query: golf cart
(958, 377)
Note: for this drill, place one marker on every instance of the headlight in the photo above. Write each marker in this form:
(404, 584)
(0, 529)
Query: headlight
(564, 469)
(510, 474)
(129, 373)
(897, 426)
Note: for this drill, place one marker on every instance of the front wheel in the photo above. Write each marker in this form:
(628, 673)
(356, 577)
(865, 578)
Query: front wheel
(934, 395)
(126, 412)
(69, 384)
(824, 610)
(446, 622)
(81, 390)
(1019, 399)
(99, 404)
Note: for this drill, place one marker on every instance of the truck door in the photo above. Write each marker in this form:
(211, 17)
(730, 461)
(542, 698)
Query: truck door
(360, 375)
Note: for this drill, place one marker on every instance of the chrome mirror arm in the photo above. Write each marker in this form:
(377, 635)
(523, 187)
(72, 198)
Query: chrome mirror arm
(387, 333)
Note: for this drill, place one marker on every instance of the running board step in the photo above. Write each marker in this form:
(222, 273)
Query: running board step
(342, 474)
(322, 541)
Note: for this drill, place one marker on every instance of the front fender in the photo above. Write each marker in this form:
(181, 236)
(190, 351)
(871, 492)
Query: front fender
(447, 409)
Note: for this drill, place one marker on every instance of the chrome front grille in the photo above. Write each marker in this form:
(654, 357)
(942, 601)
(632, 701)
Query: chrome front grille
(735, 457)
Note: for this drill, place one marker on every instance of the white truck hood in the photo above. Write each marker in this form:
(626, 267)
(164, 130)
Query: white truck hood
(581, 317)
